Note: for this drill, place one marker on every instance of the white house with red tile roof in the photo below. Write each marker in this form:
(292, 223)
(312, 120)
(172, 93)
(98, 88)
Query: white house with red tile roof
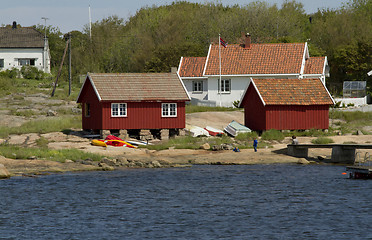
(23, 46)
(240, 63)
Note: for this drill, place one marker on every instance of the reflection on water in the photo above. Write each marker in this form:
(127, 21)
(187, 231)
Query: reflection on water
(202, 202)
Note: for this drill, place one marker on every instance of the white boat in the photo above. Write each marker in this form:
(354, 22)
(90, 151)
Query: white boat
(234, 128)
(214, 131)
(196, 131)
(138, 142)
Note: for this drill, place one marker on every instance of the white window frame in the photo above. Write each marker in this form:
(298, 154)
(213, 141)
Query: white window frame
(119, 110)
(197, 86)
(26, 62)
(169, 109)
(224, 84)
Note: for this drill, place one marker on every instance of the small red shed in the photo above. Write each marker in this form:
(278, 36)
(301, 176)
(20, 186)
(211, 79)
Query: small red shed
(133, 101)
(286, 104)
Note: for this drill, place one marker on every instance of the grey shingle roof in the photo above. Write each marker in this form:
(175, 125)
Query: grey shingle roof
(23, 37)
(139, 86)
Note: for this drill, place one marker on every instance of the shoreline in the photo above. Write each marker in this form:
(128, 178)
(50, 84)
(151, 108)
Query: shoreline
(126, 158)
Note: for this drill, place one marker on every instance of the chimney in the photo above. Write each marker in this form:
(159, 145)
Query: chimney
(14, 25)
(247, 41)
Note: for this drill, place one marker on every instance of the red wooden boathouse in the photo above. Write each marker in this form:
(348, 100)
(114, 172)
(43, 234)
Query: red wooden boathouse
(286, 104)
(133, 101)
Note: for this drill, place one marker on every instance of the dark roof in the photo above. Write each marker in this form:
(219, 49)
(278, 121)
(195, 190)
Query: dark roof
(192, 66)
(21, 37)
(293, 91)
(138, 87)
(271, 58)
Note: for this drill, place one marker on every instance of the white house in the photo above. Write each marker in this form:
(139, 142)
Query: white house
(240, 63)
(21, 46)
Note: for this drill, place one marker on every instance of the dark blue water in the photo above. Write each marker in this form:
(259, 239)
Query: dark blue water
(202, 202)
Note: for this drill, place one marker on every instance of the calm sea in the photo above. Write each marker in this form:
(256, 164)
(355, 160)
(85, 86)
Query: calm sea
(201, 202)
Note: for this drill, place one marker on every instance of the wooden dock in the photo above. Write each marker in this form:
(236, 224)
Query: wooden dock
(360, 172)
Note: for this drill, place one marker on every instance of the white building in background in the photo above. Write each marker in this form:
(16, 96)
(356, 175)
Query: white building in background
(23, 46)
(220, 78)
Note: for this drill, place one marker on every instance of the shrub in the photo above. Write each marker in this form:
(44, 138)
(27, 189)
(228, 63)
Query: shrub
(30, 72)
(322, 140)
(272, 134)
(246, 136)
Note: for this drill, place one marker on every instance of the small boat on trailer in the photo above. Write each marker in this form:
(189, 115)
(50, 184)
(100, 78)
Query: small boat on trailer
(359, 172)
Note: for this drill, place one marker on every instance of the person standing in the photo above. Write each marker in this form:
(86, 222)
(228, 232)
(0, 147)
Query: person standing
(255, 143)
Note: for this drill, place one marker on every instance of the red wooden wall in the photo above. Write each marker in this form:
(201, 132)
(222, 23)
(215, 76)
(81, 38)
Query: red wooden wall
(282, 117)
(143, 115)
(140, 115)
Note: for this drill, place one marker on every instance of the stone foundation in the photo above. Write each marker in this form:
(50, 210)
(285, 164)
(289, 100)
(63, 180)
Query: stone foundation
(145, 135)
(164, 134)
(123, 133)
(104, 133)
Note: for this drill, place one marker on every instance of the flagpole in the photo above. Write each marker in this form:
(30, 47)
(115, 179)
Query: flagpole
(220, 80)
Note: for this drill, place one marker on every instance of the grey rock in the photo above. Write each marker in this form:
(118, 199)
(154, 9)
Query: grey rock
(205, 146)
(156, 164)
(4, 173)
(105, 167)
(302, 161)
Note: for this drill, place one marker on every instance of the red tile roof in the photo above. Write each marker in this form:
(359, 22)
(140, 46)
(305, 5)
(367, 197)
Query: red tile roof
(293, 92)
(192, 67)
(314, 65)
(272, 58)
(138, 87)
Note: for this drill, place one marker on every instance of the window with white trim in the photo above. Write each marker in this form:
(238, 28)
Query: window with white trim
(118, 109)
(1, 63)
(225, 86)
(26, 62)
(197, 86)
(169, 109)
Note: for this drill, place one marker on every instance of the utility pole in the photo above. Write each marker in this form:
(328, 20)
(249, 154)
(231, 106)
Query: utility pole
(69, 64)
(45, 45)
(60, 67)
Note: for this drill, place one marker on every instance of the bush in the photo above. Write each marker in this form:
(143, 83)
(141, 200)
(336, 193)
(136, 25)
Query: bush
(246, 136)
(10, 73)
(30, 72)
(322, 140)
(272, 134)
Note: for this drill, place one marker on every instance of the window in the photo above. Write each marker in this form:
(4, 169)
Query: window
(87, 110)
(197, 86)
(169, 110)
(26, 62)
(1, 63)
(225, 86)
(118, 109)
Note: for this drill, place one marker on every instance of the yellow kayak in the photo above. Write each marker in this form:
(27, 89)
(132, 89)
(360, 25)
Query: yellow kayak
(101, 143)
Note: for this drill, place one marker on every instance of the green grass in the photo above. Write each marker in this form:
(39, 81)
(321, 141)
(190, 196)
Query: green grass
(23, 113)
(194, 108)
(322, 140)
(43, 126)
(246, 136)
(188, 142)
(17, 152)
(272, 135)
